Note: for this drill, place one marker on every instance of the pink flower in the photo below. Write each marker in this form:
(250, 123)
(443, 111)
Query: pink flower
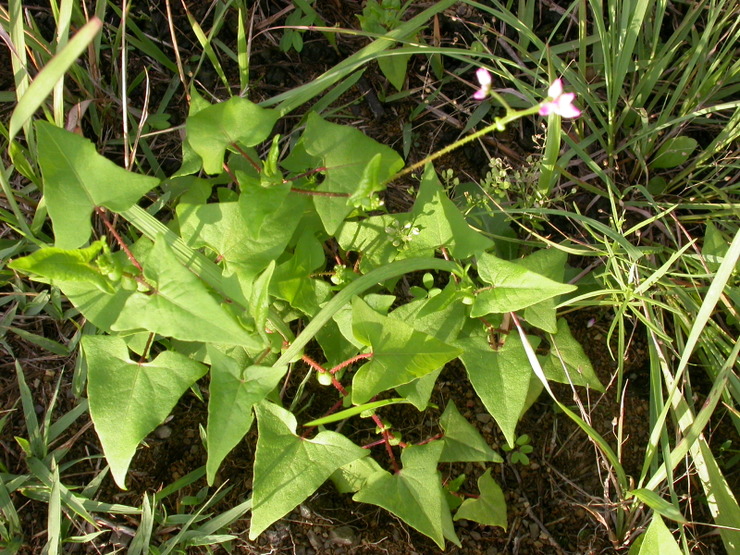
(484, 78)
(559, 103)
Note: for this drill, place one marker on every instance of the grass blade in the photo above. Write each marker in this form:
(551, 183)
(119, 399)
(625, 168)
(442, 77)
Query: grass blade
(140, 544)
(47, 78)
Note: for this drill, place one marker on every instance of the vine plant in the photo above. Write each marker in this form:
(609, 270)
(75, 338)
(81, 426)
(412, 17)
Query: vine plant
(256, 246)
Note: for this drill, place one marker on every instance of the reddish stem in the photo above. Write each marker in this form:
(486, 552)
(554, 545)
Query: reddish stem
(373, 444)
(347, 362)
(387, 436)
(306, 174)
(246, 156)
(227, 169)
(124, 247)
(431, 439)
(336, 383)
(313, 364)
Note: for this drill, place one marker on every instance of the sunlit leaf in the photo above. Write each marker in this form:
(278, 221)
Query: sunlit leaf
(400, 353)
(212, 130)
(129, 399)
(77, 179)
(657, 540)
(289, 468)
(180, 305)
(489, 508)
(234, 390)
(345, 152)
(566, 355)
(462, 442)
(440, 223)
(501, 379)
(551, 264)
(511, 287)
(414, 494)
(58, 265)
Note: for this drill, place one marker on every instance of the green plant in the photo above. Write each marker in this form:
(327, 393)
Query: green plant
(519, 450)
(303, 15)
(665, 190)
(379, 18)
(182, 312)
(243, 229)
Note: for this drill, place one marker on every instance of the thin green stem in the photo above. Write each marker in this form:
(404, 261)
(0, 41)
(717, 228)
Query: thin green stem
(498, 125)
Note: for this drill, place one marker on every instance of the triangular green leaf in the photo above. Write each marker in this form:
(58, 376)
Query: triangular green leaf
(440, 223)
(414, 494)
(345, 152)
(489, 508)
(512, 287)
(225, 227)
(212, 130)
(128, 399)
(566, 354)
(462, 442)
(657, 540)
(551, 264)
(180, 306)
(500, 378)
(289, 468)
(58, 265)
(77, 179)
(234, 390)
(352, 477)
(419, 391)
(400, 353)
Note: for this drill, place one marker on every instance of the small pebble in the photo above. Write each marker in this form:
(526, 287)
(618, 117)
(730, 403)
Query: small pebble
(313, 539)
(343, 535)
(483, 417)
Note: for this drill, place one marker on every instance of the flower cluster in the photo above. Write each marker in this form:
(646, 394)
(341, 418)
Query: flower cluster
(557, 102)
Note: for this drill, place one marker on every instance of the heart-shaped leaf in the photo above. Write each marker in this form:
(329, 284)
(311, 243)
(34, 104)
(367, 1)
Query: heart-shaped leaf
(500, 378)
(400, 353)
(128, 399)
(674, 152)
(212, 130)
(59, 265)
(489, 508)
(289, 468)
(345, 152)
(462, 442)
(511, 287)
(77, 179)
(566, 354)
(234, 390)
(414, 494)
